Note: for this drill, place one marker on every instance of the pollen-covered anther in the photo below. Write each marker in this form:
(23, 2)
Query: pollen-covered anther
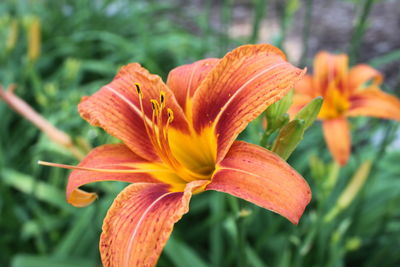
(155, 106)
(162, 99)
(139, 90)
(170, 114)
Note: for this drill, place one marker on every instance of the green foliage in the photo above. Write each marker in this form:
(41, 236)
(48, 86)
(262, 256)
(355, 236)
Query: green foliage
(82, 44)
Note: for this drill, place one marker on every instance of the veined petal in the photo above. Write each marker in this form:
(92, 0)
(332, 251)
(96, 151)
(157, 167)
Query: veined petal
(330, 67)
(337, 137)
(184, 80)
(107, 157)
(321, 71)
(263, 178)
(140, 221)
(116, 108)
(362, 73)
(341, 70)
(374, 103)
(242, 85)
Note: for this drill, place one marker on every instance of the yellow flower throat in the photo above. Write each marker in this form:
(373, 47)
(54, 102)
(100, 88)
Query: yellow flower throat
(185, 157)
(335, 103)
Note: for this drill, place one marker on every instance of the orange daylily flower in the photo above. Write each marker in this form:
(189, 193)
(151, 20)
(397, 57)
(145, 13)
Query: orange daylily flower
(346, 93)
(179, 140)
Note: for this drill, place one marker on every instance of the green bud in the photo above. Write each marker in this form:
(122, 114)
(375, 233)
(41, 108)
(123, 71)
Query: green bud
(288, 138)
(276, 123)
(333, 175)
(280, 107)
(355, 185)
(12, 35)
(310, 111)
(351, 190)
(276, 116)
(72, 67)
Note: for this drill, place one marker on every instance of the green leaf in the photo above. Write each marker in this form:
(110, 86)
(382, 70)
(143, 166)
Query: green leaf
(385, 59)
(182, 255)
(23, 260)
(29, 185)
(253, 258)
(79, 232)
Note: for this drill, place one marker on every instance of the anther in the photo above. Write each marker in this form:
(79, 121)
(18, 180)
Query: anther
(155, 106)
(138, 89)
(162, 99)
(170, 115)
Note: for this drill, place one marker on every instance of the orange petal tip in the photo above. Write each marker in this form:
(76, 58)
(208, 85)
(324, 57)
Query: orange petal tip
(80, 198)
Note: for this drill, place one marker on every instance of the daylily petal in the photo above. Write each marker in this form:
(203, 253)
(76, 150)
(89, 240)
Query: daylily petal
(184, 80)
(341, 70)
(140, 221)
(361, 74)
(303, 93)
(116, 108)
(305, 86)
(260, 176)
(374, 103)
(80, 198)
(321, 71)
(329, 67)
(108, 157)
(338, 139)
(242, 85)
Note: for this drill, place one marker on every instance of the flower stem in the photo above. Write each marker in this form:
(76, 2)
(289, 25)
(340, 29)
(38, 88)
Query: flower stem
(236, 205)
(306, 31)
(359, 31)
(260, 9)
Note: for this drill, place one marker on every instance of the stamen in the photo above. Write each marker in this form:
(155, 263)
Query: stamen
(162, 99)
(150, 134)
(155, 106)
(157, 132)
(139, 90)
(170, 115)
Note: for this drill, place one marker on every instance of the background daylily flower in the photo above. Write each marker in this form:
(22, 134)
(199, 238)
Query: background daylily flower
(179, 139)
(346, 93)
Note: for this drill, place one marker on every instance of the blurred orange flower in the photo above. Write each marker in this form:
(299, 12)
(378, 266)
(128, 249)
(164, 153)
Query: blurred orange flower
(179, 139)
(346, 92)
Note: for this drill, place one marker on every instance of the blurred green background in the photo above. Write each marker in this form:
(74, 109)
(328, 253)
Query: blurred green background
(58, 51)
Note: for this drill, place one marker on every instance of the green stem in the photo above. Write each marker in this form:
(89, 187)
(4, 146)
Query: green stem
(282, 24)
(226, 20)
(260, 8)
(390, 134)
(205, 23)
(236, 205)
(242, 261)
(306, 31)
(359, 31)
